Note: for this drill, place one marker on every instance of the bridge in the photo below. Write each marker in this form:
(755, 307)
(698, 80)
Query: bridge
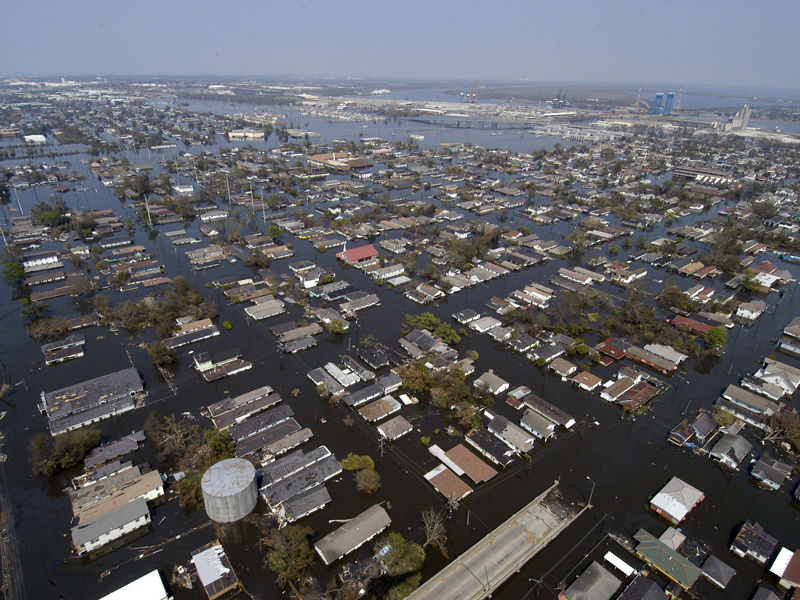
(482, 569)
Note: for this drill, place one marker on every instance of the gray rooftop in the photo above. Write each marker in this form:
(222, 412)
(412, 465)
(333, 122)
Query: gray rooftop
(352, 534)
(291, 464)
(311, 476)
(87, 394)
(595, 583)
(82, 534)
(260, 422)
(305, 502)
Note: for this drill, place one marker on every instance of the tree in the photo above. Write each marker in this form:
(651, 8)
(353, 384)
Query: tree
(219, 443)
(750, 281)
(784, 426)
(716, 339)
(354, 462)
(289, 553)
(403, 557)
(13, 273)
(722, 417)
(275, 232)
(34, 311)
(160, 355)
(435, 530)
(577, 239)
(368, 481)
(336, 327)
(50, 456)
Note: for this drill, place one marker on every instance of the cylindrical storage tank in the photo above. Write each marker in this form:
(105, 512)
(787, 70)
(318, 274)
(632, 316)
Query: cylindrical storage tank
(229, 490)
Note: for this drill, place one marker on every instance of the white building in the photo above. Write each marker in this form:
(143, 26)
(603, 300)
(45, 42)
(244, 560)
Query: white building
(110, 526)
(147, 587)
(184, 189)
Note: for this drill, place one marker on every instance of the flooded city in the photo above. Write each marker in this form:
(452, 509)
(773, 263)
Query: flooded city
(556, 343)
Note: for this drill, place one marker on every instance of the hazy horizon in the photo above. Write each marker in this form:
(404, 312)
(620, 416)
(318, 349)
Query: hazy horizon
(708, 43)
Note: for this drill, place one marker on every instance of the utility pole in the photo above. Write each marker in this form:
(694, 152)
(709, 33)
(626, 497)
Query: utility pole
(16, 193)
(147, 207)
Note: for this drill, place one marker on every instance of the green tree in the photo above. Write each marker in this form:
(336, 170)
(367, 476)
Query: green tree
(577, 239)
(13, 273)
(750, 282)
(275, 232)
(289, 553)
(403, 558)
(716, 338)
(220, 443)
(355, 462)
(160, 355)
(50, 456)
(335, 327)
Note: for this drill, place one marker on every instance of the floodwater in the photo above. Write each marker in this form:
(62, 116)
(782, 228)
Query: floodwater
(618, 463)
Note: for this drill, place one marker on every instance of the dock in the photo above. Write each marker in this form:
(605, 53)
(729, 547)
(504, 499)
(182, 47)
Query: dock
(482, 569)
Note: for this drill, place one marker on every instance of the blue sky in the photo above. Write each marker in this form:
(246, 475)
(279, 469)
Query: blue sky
(692, 42)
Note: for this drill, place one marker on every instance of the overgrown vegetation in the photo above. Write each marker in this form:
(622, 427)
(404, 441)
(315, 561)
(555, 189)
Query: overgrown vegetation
(50, 456)
(402, 562)
(180, 299)
(160, 355)
(426, 320)
(448, 390)
(289, 554)
(183, 444)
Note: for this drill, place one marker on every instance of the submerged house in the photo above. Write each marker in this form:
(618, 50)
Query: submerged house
(676, 500)
(666, 560)
(91, 401)
(771, 472)
(352, 534)
(731, 450)
(595, 583)
(753, 542)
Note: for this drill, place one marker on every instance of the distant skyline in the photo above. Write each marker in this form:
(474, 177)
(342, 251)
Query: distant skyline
(690, 42)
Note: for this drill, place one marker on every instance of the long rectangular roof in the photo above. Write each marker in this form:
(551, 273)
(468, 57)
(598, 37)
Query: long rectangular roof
(352, 534)
(147, 587)
(475, 468)
(308, 477)
(86, 394)
(665, 559)
(127, 513)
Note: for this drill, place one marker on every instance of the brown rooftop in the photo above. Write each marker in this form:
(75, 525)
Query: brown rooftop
(475, 468)
(450, 486)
